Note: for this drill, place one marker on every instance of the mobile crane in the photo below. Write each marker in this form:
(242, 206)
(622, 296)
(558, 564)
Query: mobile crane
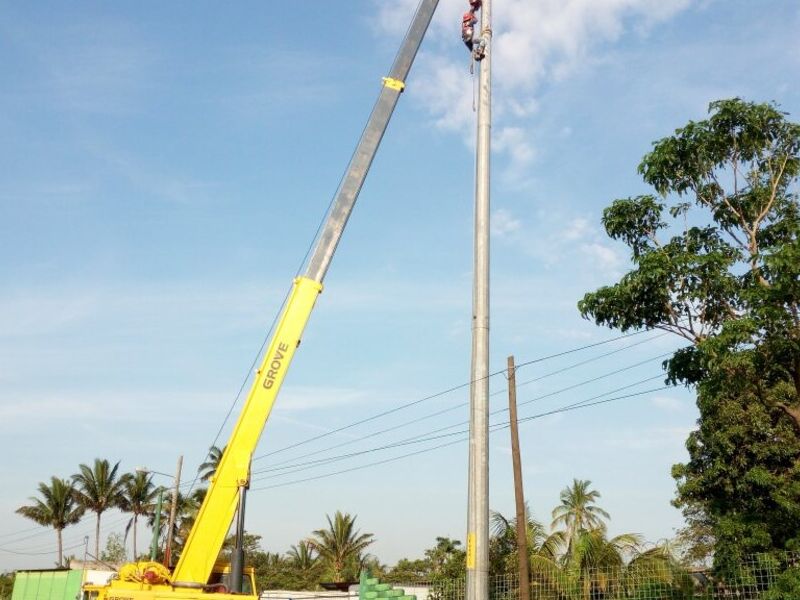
(196, 574)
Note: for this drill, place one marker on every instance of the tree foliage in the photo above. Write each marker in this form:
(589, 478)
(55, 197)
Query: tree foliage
(138, 499)
(114, 553)
(99, 488)
(56, 508)
(208, 468)
(578, 510)
(6, 585)
(341, 546)
(716, 260)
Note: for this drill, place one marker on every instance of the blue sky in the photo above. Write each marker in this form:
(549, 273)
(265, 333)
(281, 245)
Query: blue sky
(166, 165)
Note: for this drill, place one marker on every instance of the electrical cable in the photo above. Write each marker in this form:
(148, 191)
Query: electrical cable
(581, 363)
(456, 406)
(13, 533)
(421, 438)
(38, 553)
(451, 443)
(436, 395)
(71, 535)
(283, 304)
(556, 392)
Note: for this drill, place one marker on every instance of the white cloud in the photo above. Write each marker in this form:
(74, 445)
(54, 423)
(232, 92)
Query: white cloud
(578, 229)
(504, 223)
(515, 143)
(603, 256)
(447, 93)
(555, 238)
(534, 41)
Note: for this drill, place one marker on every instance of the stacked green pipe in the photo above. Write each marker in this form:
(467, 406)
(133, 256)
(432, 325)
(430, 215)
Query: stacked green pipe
(370, 588)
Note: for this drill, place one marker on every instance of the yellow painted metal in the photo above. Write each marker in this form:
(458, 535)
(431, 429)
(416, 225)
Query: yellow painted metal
(394, 84)
(218, 509)
(117, 589)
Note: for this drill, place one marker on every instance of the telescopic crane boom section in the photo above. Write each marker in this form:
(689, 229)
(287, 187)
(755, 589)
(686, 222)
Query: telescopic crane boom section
(216, 514)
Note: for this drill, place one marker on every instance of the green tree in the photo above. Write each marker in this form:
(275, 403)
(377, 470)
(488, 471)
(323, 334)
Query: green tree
(186, 509)
(273, 572)
(209, 467)
(98, 489)
(543, 548)
(695, 541)
(578, 511)
(114, 553)
(6, 585)
(303, 556)
(716, 257)
(57, 508)
(138, 498)
(409, 571)
(251, 545)
(448, 559)
(341, 546)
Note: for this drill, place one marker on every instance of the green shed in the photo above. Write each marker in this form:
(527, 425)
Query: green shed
(50, 584)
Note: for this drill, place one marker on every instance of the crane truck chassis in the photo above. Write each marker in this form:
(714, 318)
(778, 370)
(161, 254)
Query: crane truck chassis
(196, 574)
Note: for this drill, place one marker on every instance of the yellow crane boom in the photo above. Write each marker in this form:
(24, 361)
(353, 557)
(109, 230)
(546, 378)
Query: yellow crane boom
(214, 519)
(196, 574)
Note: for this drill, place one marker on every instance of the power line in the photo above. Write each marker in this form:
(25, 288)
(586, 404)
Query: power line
(451, 443)
(418, 439)
(592, 380)
(38, 553)
(274, 320)
(83, 522)
(454, 407)
(437, 395)
(13, 533)
(582, 363)
(277, 466)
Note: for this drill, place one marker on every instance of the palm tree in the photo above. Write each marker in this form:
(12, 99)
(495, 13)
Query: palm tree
(137, 499)
(540, 543)
(56, 509)
(186, 509)
(303, 556)
(577, 511)
(209, 468)
(658, 570)
(543, 549)
(340, 545)
(98, 489)
(597, 564)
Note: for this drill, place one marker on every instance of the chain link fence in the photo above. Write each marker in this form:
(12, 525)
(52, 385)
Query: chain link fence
(762, 577)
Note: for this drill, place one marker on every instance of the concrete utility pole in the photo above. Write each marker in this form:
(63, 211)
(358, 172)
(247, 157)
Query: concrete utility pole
(519, 496)
(172, 513)
(478, 506)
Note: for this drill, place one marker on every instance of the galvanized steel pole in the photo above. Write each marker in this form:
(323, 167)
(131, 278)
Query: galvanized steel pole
(478, 508)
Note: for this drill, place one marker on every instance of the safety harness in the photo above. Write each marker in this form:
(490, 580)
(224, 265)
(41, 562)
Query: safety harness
(468, 21)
